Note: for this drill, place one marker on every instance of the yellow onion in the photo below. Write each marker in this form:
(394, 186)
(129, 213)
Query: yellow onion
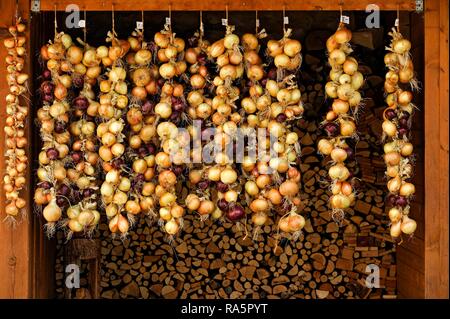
(338, 154)
(407, 149)
(407, 189)
(337, 57)
(167, 70)
(408, 225)
(52, 213)
(259, 219)
(406, 75)
(392, 158)
(395, 215)
(343, 35)
(331, 89)
(172, 227)
(401, 46)
(395, 230)
(259, 206)
(325, 147)
(394, 184)
(230, 41)
(296, 222)
(282, 61)
(350, 66)
(288, 188)
(339, 172)
(217, 48)
(192, 202)
(404, 98)
(340, 201)
(389, 128)
(340, 106)
(206, 207)
(250, 41)
(292, 47)
(347, 127)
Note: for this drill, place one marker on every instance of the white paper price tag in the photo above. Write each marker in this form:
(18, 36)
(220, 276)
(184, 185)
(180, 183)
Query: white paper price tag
(257, 23)
(345, 19)
(286, 20)
(225, 22)
(168, 20)
(397, 22)
(82, 24)
(139, 25)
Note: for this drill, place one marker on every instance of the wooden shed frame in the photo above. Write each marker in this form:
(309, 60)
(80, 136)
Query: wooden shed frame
(24, 250)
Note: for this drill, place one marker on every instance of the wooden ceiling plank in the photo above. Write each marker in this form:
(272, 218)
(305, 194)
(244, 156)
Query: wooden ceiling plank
(233, 5)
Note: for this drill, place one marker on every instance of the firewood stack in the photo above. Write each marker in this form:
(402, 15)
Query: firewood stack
(217, 260)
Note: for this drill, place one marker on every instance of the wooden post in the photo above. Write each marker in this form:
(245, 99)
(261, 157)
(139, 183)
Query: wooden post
(436, 149)
(16, 243)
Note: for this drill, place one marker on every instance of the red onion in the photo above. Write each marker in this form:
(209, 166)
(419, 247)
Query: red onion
(177, 170)
(151, 148)
(60, 127)
(403, 122)
(175, 116)
(201, 58)
(46, 74)
(272, 74)
(402, 132)
(52, 153)
(81, 103)
(143, 151)
(64, 190)
(47, 87)
(88, 192)
(61, 201)
(48, 98)
(160, 82)
(332, 129)
(235, 213)
(391, 199)
(281, 118)
(401, 201)
(117, 163)
(222, 187)
(350, 152)
(77, 196)
(45, 185)
(139, 178)
(77, 157)
(222, 204)
(390, 114)
(178, 106)
(147, 107)
(203, 185)
(78, 81)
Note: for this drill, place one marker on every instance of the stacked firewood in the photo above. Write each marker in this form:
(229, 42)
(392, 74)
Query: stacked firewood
(213, 259)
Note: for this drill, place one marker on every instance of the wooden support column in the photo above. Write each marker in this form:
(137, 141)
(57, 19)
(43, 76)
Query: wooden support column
(15, 243)
(436, 148)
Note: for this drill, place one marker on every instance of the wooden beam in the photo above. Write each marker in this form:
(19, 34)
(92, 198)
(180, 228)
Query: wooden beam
(218, 5)
(15, 244)
(436, 149)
